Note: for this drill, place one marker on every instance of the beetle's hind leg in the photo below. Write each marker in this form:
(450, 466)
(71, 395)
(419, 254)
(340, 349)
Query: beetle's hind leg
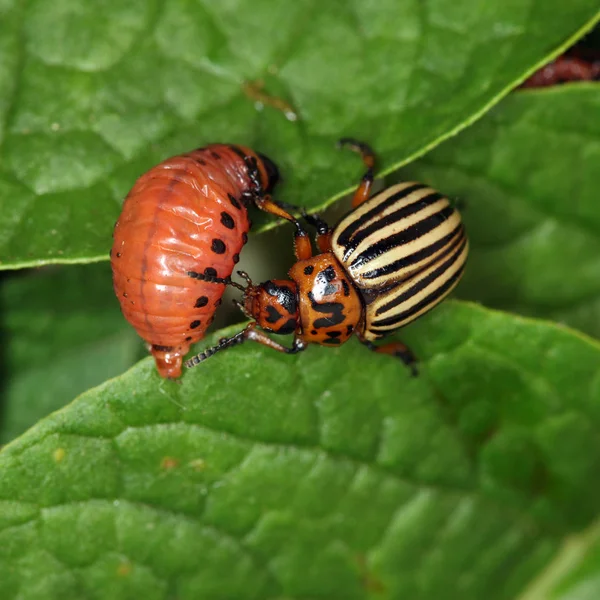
(397, 349)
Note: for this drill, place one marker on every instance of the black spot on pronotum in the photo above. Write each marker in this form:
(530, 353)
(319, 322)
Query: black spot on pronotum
(334, 334)
(333, 310)
(159, 348)
(314, 332)
(273, 315)
(346, 287)
(210, 272)
(202, 301)
(349, 329)
(227, 220)
(309, 270)
(195, 324)
(218, 246)
(328, 273)
(234, 201)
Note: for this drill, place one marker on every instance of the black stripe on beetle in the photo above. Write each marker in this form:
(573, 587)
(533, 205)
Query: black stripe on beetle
(413, 258)
(402, 237)
(419, 286)
(344, 236)
(396, 217)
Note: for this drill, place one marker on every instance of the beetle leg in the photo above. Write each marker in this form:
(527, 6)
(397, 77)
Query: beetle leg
(250, 332)
(323, 238)
(397, 349)
(302, 247)
(368, 156)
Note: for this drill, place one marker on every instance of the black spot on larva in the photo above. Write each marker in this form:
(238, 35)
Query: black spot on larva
(349, 329)
(118, 255)
(194, 324)
(215, 155)
(218, 302)
(334, 334)
(202, 301)
(346, 287)
(309, 270)
(201, 162)
(210, 272)
(274, 315)
(218, 246)
(236, 258)
(227, 220)
(234, 201)
(188, 338)
(244, 237)
(331, 341)
(162, 348)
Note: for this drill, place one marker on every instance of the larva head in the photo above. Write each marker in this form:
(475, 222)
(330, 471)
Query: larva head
(269, 169)
(273, 305)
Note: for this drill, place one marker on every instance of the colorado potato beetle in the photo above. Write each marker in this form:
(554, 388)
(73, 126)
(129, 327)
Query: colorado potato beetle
(178, 238)
(394, 257)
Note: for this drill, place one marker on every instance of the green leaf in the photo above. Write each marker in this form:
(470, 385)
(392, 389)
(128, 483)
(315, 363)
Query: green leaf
(335, 476)
(64, 334)
(528, 175)
(94, 93)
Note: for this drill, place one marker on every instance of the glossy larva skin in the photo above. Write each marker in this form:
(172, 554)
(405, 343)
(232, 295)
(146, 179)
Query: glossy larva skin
(404, 250)
(187, 215)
